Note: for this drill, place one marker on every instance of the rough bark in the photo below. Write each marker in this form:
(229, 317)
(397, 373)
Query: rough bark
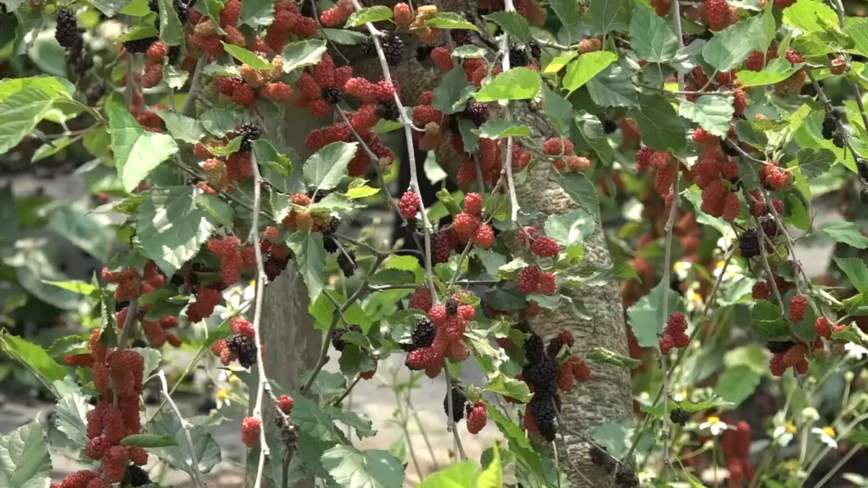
(606, 397)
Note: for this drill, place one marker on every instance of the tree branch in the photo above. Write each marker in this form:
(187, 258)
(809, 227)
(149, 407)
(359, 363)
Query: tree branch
(196, 475)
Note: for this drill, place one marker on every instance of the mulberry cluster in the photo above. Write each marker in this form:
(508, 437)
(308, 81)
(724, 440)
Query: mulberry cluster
(228, 252)
(544, 376)
(153, 71)
(675, 334)
(130, 286)
(69, 36)
(409, 204)
(241, 346)
(347, 263)
(393, 49)
(423, 335)
(567, 160)
(664, 163)
(749, 244)
(251, 430)
(248, 132)
(794, 356)
(450, 323)
(337, 336)
(337, 15)
(459, 401)
(773, 177)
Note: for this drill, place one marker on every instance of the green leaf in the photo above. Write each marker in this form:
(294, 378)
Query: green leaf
(362, 192)
(567, 11)
(149, 440)
(558, 110)
(615, 437)
(749, 133)
(729, 48)
(171, 31)
(79, 287)
(52, 86)
(515, 84)
(247, 57)
(363, 469)
(171, 228)
(690, 407)
(613, 88)
(178, 456)
(767, 322)
(646, 316)
(651, 36)
(384, 126)
(514, 24)
(501, 129)
(392, 277)
(268, 156)
(589, 137)
(798, 213)
(174, 76)
(582, 191)
(458, 475)
(137, 151)
(181, 127)
(586, 67)
(50, 149)
(609, 15)
(814, 163)
(70, 418)
(492, 476)
(452, 92)
(450, 20)
(518, 443)
(88, 232)
(737, 384)
(570, 228)
(603, 355)
(807, 15)
(712, 113)
(511, 387)
(345, 37)
(660, 126)
(257, 13)
(20, 114)
(33, 356)
(141, 31)
(857, 29)
(24, 459)
(109, 7)
(303, 53)
(856, 271)
(846, 233)
(220, 210)
(309, 254)
(368, 14)
(559, 62)
(325, 169)
(778, 70)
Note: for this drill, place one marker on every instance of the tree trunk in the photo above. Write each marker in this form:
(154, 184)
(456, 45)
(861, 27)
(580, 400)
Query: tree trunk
(607, 396)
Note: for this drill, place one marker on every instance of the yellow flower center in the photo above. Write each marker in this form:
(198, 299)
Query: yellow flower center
(791, 428)
(222, 394)
(713, 420)
(829, 431)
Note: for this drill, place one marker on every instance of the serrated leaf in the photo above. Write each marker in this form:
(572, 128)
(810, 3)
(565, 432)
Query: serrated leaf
(345, 37)
(501, 129)
(171, 31)
(749, 133)
(268, 156)
(559, 62)
(526, 455)
(514, 24)
(174, 76)
(24, 459)
(33, 356)
(730, 47)
(582, 191)
(567, 11)
(609, 15)
(646, 316)
(309, 255)
(559, 111)
(651, 36)
(570, 228)
(247, 57)
(171, 228)
(70, 417)
(589, 136)
(808, 14)
(50, 149)
(712, 113)
(369, 14)
(52, 86)
(178, 456)
(327, 167)
(660, 126)
(88, 232)
(141, 31)
(303, 53)
(586, 67)
(511, 387)
(392, 277)
(814, 163)
(220, 210)
(778, 70)
(737, 384)
(384, 126)
(257, 13)
(767, 322)
(603, 355)
(137, 151)
(846, 233)
(458, 475)
(515, 84)
(363, 469)
(362, 192)
(492, 475)
(149, 440)
(450, 20)
(21, 112)
(613, 88)
(798, 213)
(856, 271)
(181, 127)
(689, 407)
(615, 437)
(452, 92)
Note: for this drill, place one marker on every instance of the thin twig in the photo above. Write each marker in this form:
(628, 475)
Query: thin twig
(451, 420)
(129, 324)
(838, 465)
(347, 391)
(667, 270)
(857, 92)
(261, 279)
(196, 475)
(422, 431)
(195, 86)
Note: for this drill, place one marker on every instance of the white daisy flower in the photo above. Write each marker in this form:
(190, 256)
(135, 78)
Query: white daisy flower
(827, 436)
(714, 425)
